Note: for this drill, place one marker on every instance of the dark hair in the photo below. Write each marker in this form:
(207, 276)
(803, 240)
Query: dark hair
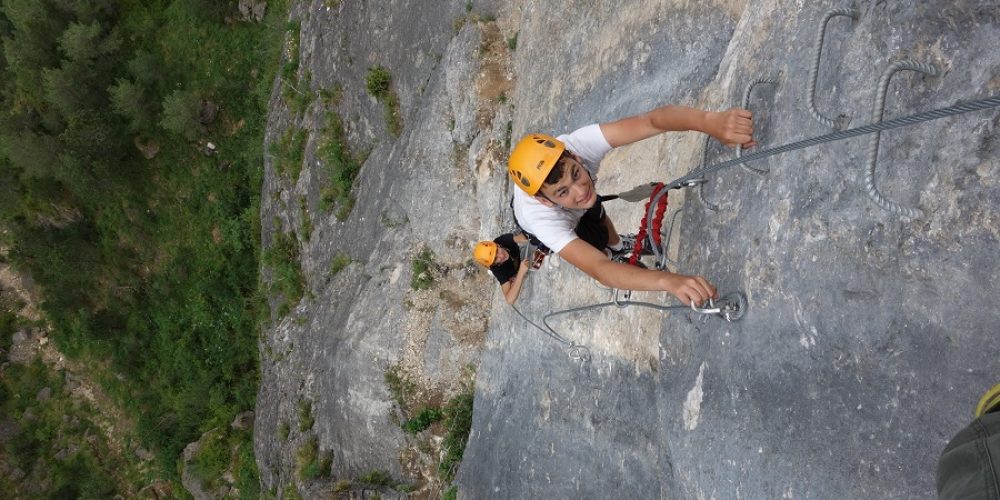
(557, 170)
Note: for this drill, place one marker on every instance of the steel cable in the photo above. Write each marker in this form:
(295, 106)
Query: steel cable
(579, 352)
(924, 116)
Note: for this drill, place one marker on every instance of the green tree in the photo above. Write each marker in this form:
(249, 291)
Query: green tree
(34, 155)
(180, 114)
(32, 46)
(66, 89)
(87, 42)
(144, 67)
(129, 100)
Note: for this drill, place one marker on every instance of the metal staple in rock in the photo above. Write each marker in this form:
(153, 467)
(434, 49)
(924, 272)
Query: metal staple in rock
(579, 352)
(814, 72)
(877, 114)
(923, 116)
(746, 105)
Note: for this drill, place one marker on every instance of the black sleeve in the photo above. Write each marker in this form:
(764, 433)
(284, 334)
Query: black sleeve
(504, 272)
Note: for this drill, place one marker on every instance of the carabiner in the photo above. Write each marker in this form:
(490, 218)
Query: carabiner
(731, 307)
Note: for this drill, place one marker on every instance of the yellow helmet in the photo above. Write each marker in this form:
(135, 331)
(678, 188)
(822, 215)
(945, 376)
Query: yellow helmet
(533, 159)
(485, 252)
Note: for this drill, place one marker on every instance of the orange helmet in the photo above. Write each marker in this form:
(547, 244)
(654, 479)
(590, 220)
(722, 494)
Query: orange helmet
(485, 252)
(533, 159)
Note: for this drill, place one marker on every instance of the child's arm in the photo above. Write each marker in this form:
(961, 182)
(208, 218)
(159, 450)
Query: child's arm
(615, 275)
(512, 288)
(731, 127)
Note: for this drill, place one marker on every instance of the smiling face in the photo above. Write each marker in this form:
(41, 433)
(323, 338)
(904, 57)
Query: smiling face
(501, 257)
(574, 190)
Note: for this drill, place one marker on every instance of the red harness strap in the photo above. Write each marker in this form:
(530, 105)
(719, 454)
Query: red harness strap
(640, 237)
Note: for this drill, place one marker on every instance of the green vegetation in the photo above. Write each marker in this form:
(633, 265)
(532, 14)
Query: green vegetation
(289, 152)
(450, 493)
(291, 492)
(296, 91)
(9, 321)
(345, 209)
(310, 463)
(423, 420)
(458, 24)
(341, 166)
(224, 448)
(305, 416)
(293, 34)
(512, 43)
(339, 263)
(283, 430)
(287, 278)
(180, 114)
(307, 227)
(332, 96)
(378, 82)
(376, 478)
(148, 265)
(422, 267)
(390, 222)
(245, 475)
(56, 437)
(212, 459)
(400, 386)
(458, 421)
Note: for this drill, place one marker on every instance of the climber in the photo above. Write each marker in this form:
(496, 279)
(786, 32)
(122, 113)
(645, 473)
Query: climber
(558, 206)
(502, 257)
(968, 466)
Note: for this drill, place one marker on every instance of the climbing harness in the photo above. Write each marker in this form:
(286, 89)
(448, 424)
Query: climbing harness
(696, 177)
(733, 306)
(654, 225)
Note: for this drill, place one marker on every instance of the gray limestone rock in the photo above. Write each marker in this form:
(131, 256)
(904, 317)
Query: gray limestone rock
(243, 421)
(867, 339)
(252, 10)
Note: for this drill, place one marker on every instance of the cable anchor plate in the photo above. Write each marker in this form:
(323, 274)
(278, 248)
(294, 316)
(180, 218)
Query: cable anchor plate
(730, 307)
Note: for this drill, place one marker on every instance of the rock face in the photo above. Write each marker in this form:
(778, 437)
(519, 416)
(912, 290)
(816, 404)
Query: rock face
(867, 339)
(420, 191)
(252, 10)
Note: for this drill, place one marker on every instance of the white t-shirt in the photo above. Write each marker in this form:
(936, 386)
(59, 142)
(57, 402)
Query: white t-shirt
(556, 226)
